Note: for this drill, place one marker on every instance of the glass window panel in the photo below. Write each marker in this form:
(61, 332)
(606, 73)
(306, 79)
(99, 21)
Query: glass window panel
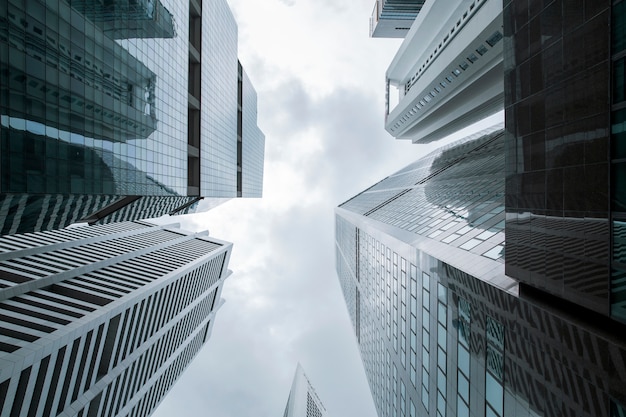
(463, 333)
(619, 186)
(462, 410)
(442, 313)
(441, 381)
(442, 293)
(441, 405)
(618, 27)
(463, 387)
(494, 393)
(489, 412)
(618, 294)
(464, 359)
(619, 86)
(441, 359)
(442, 337)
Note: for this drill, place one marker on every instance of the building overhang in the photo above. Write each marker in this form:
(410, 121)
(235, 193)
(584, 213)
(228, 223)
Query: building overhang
(449, 75)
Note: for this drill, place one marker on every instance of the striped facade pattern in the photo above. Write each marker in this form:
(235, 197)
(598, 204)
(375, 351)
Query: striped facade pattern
(21, 213)
(101, 320)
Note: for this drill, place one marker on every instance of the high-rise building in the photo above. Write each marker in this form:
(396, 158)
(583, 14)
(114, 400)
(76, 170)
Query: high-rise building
(566, 167)
(393, 18)
(487, 278)
(441, 329)
(140, 105)
(101, 320)
(303, 401)
(447, 73)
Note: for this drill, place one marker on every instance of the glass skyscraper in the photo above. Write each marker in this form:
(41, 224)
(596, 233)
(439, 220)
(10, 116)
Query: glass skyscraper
(566, 182)
(486, 279)
(112, 105)
(102, 320)
(441, 329)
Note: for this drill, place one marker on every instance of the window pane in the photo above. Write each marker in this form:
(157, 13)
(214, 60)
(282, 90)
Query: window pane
(494, 392)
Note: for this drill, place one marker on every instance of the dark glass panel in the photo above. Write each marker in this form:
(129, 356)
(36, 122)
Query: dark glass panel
(596, 38)
(619, 80)
(618, 27)
(551, 22)
(573, 14)
(618, 134)
(619, 186)
(595, 189)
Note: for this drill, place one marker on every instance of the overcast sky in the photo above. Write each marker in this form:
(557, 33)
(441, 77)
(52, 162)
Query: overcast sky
(320, 83)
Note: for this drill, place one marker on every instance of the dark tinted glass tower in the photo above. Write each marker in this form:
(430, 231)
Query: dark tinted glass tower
(106, 106)
(564, 89)
(441, 329)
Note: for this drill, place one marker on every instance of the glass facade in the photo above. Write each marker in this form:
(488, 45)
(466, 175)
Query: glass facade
(618, 159)
(253, 146)
(451, 196)
(89, 106)
(443, 331)
(557, 81)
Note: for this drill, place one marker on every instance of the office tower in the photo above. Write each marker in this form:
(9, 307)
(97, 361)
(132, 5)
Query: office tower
(441, 329)
(252, 153)
(447, 73)
(121, 110)
(101, 320)
(303, 401)
(393, 18)
(565, 113)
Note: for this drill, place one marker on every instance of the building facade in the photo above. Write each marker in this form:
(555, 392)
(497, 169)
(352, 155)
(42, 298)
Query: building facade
(441, 329)
(447, 73)
(105, 105)
(449, 323)
(564, 79)
(303, 401)
(393, 18)
(101, 320)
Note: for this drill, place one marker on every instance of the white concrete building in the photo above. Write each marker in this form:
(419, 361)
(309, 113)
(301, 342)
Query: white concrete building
(303, 401)
(393, 18)
(102, 320)
(448, 71)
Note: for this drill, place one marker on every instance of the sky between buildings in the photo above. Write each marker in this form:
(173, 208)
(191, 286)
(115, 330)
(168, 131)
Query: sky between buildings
(320, 82)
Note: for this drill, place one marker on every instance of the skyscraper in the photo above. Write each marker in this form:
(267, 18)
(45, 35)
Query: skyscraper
(303, 401)
(393, 18)
(101, 320)
(449, 322)
(441, 329)
(565, 115)
(121, 105)
(447, 73)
